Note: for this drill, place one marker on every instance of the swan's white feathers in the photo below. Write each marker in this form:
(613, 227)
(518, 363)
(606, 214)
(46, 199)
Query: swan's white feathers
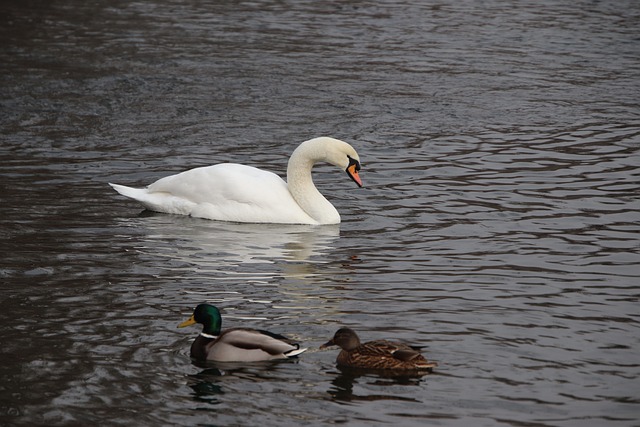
(225, 192)
(239, 193)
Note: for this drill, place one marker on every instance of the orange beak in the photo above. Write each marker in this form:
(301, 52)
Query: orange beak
(352, 171)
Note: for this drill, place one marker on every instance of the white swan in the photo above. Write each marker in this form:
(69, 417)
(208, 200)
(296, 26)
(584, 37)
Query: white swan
(239, 193)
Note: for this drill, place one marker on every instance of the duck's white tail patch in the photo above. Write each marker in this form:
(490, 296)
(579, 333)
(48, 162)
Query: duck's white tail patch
(295, 352)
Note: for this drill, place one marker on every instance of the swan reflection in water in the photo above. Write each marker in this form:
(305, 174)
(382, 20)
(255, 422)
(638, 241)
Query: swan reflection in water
(218, 244)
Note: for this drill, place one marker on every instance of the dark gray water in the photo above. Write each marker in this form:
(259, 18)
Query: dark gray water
(498, 227)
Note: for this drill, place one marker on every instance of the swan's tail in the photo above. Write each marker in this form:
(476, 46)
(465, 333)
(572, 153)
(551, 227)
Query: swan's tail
(156, 201)
(133, 193)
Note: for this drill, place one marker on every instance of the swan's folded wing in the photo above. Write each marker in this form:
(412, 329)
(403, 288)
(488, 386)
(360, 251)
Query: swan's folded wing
(158, 201)
(231, 192)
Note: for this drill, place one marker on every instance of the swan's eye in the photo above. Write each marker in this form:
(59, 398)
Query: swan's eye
(353, 162)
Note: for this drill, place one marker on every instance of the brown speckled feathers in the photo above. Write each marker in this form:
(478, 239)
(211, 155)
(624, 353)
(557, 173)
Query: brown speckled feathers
(379, 354)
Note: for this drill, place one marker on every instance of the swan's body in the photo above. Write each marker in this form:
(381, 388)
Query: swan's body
(239, 193)
(235, 344)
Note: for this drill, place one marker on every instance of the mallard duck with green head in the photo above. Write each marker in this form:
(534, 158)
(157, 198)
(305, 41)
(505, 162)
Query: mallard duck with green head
(235, 344)
(379, 354)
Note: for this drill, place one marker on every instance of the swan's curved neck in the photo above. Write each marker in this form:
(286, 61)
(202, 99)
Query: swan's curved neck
(302, 188)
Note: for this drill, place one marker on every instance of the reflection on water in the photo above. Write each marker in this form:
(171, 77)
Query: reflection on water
(228, 262)
(201, 242)
(208, 384)
(205, 387)
(499, 224)
(348, 378)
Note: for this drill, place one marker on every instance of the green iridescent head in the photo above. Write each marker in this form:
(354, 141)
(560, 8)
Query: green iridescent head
(208, 316)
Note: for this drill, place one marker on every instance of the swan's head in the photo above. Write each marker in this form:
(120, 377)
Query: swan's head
(334, 151)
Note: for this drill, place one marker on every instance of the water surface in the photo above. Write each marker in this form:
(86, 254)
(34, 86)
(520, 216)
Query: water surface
(498, 226)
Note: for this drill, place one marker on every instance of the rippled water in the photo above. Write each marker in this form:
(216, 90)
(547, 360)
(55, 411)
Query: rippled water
(498, 226)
